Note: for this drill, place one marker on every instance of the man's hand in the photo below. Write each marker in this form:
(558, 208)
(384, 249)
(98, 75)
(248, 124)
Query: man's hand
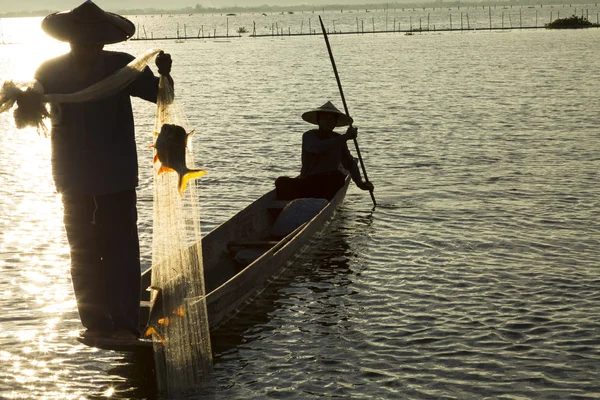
(365, 185)
(351, 133)
(164, 62)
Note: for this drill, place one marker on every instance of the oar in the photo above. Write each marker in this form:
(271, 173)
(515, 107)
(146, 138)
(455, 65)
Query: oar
(337, 77)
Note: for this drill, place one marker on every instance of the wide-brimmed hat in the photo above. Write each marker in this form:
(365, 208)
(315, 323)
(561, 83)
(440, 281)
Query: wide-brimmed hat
(311, 116)
(88, 23)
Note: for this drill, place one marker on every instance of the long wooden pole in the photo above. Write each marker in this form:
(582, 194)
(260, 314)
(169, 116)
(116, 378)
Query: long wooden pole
(337, 77)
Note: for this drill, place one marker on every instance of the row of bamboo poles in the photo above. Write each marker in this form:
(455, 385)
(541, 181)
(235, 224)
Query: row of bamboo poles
(422, 24)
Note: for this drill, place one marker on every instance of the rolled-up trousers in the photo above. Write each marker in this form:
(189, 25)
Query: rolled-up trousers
(105, 259)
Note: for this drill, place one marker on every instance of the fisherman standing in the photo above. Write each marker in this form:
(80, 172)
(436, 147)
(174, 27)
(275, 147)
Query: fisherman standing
(94, 165)
(324, 153)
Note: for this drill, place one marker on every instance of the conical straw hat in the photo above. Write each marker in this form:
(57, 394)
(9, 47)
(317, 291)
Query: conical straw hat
(88, 23)
(311, 116)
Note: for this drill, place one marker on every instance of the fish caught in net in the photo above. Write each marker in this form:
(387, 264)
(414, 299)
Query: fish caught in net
(178, 320)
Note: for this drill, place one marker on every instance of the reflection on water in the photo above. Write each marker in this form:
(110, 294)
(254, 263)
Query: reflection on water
(326, 257)
(135, 377)
(311, 297)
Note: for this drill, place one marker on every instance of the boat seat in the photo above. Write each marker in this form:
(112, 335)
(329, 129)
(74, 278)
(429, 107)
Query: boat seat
(245, 252)
(296, 213)
(248, 256)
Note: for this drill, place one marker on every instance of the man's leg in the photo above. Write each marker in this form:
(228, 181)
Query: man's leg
(325, 185)
(335, 180)
(89, 280)
(121, 257)
(287, 188)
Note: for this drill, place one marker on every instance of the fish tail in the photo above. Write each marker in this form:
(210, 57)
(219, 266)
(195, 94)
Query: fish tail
(190, 174)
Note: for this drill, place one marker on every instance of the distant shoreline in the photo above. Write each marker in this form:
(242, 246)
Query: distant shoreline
(307, 8)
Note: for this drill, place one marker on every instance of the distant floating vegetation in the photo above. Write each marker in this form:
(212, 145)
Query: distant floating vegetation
(572, 22)
(242, 29)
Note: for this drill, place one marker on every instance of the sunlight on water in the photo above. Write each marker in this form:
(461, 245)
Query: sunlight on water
(34, 256)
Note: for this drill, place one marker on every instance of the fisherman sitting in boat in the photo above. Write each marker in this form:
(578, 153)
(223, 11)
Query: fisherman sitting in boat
(95, 167)
(324, 152)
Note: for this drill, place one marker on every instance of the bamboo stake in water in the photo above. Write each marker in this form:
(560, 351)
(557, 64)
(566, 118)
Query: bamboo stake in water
(337, 78)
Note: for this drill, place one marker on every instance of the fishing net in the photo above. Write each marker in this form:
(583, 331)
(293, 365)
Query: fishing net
(178, 321)
(32, 108)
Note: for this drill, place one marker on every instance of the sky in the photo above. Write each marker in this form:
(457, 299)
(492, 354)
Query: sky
(7, 6)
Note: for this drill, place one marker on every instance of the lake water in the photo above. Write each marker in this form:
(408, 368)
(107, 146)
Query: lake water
(476, 277)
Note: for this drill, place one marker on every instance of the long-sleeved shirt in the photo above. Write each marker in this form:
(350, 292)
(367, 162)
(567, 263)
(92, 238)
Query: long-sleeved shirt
(325, 155)
(93, 143)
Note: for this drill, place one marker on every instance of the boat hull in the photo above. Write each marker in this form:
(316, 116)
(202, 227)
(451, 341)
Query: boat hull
(230, 287)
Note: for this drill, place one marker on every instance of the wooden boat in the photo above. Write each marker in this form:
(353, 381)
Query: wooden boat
(231, 284)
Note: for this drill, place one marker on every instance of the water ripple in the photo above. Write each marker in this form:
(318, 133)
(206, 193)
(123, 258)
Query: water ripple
(476, 277)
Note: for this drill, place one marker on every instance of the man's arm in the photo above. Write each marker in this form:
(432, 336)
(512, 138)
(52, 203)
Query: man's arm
(351, 165)
(146, 85)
